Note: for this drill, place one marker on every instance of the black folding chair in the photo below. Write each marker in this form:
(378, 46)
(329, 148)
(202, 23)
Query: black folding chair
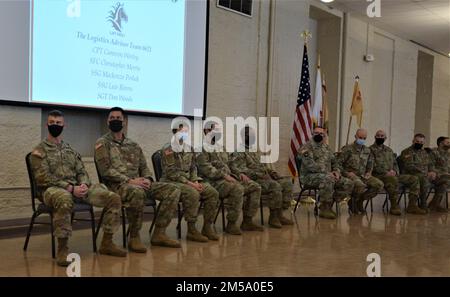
(303, 189)
(40, 209)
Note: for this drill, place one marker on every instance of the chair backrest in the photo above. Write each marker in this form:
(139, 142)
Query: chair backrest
(298, 165)
(157, 166)
(100, 180)
(400, 164)
(33, 186)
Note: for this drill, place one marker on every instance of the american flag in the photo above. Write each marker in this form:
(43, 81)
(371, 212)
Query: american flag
(302, 122)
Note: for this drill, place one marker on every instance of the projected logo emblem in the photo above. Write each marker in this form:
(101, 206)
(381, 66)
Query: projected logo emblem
(116, 16)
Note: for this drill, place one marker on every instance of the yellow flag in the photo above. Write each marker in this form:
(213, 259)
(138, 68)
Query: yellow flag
(357, 104)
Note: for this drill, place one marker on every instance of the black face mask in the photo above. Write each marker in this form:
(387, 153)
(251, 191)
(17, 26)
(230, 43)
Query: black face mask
(446, 147)
(418, 146)
(318, 138)
(379, 141)
(55, 130)
(116, 125)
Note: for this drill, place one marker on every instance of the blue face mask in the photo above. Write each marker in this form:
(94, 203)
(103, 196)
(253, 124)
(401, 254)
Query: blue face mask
(360, 141)
(184, 136)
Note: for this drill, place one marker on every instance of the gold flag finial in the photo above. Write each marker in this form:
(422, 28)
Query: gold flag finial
(306, 35)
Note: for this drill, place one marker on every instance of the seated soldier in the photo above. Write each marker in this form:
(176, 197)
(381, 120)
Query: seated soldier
(387, 170)
(320, 169)
(212, 165)
(179, 168)
(440, 157)
(123, 167)
(62, 180)
(416, 161)
(279, 189)
(357, 164)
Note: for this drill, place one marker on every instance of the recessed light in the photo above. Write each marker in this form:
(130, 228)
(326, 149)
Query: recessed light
(326, 1)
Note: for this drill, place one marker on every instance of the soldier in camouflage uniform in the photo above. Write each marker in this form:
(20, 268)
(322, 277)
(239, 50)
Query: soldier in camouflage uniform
(416, 161)
(321, 169)
(123, 167)
(441, 161)
(386, 169)
(61, 180)
(279, 189)
(357, 164)
(179, 167)
(212, 165)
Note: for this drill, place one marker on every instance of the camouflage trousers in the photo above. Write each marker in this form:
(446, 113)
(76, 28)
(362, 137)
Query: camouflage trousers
(328, 187)
(440, 184)
(190, 198)
(366, 189)
(232, 193)
(63, 201)
(279, 192)
(133, 199)
(392, 183)
(252, 196)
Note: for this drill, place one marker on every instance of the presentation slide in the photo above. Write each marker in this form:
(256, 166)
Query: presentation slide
(145, 56)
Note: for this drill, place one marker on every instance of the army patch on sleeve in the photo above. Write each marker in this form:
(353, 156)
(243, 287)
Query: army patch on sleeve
(98, 145)
(37, 153)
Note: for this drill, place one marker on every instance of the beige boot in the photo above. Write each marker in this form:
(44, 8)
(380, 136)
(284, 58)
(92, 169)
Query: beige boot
(274, 220)
(413, 208)
(209, 232)
(233, 229)
(108, 247)
(395, 209)
(160, 238)
(248, 225)
(63, 251)
(284, 220)
(326, 212)
(135, 244)
(194, 235)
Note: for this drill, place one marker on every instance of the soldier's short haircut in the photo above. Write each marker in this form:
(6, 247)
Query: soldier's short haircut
(419, 135)
(441, 139)
(117, 109)
(55, 113)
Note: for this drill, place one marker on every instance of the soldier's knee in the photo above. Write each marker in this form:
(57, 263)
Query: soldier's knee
(238, 190)
(63, 202)
(114, 200)
(137, 197)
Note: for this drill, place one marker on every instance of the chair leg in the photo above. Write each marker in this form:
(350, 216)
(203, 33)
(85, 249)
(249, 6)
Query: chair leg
(30, 228)
(124, 230)
(385, 203)
(223, 216)
(218, 210)
(94, 241)
(180, 216)
(298, 200)
(155, 214)
(261, 210)
(53, 236)
(100, 221)
(371, 205)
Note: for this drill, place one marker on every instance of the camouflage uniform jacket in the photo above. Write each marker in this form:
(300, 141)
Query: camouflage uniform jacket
(57, 165)
(178, 166)
(120, 161)
(416, 161)
(384, 160)
(317, 158)
(357, 159)
(441, 160)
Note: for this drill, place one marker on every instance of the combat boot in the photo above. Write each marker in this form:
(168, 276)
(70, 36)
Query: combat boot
(248, 225)
(435, 205)
(160, 238)
(274, 220)
(108, 247)
(135, 244)
(413, 208)
(63, 251)
(209, 232)
(325, 211)
(194, 235)
(233, 229)
(284, 220)
(395, 209)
